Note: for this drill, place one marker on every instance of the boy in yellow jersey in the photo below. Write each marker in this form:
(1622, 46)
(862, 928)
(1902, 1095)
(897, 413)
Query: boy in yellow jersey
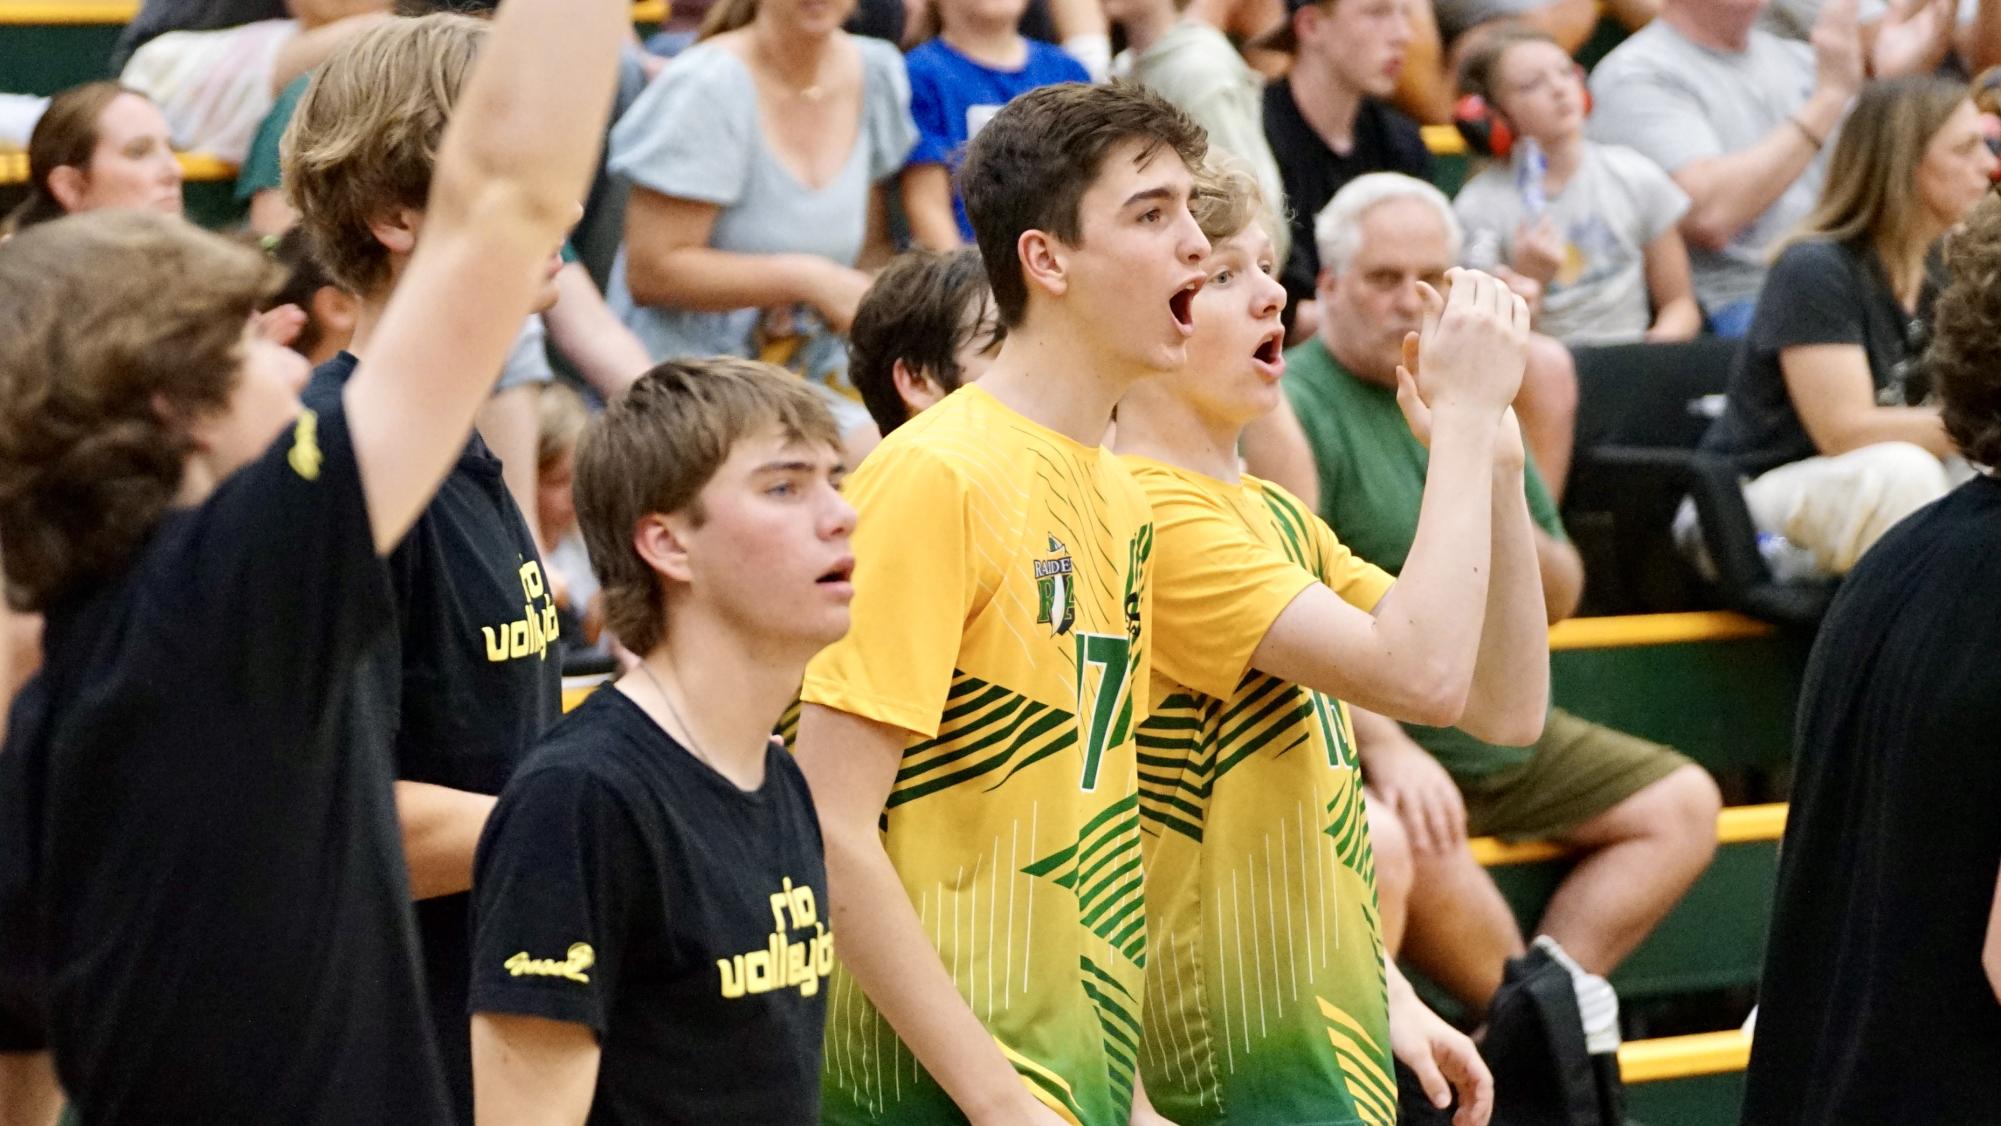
(970, 743)
(1268, 995)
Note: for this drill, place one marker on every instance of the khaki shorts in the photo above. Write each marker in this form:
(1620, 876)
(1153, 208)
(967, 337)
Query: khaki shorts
(1578, 771)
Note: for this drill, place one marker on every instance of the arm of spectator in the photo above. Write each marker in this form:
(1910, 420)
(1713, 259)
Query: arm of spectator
(592, 337)
(440, 829)
(850, 763)
(506, 422)
(1729, 191)
(318, 13)
(1425, 798)
(1990, 950)
(29, 1094)
(1509, 696)
(517, 156)
(270, 214)
(1275, 448)
(927, 202)
(670, 264)
(1669, 286)
(878, 243)
(531, 1071)
(1425, 89)
(1913, 37)
(1561, 570)
(1084, 32)
(1835, 399)
(1979, 39)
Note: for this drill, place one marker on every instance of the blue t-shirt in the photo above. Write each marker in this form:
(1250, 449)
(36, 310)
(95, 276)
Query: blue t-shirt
(951, 96)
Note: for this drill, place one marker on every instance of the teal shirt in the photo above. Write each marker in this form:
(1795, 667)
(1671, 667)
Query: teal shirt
(1371, 486)
(260, 170)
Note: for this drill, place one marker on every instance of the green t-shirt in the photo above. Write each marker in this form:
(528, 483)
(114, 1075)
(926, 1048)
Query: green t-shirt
(260, 170)
(1371, 486)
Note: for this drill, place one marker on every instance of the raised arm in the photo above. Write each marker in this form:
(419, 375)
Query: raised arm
(517, 157)
(1509, 697)
(1835, 399)
(851, 763)
(1414, 658)
(29, 1095)
(669, 263)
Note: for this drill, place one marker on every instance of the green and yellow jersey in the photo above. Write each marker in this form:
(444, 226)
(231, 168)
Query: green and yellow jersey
(1265, 998)
(1000, 617)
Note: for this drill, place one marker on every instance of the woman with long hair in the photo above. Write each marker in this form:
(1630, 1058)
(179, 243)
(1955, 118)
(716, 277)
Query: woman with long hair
(98, 145)
(1825, 412)
(757, 162)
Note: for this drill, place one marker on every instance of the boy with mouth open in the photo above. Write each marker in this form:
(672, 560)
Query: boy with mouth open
(1256, 837)
(970, 743)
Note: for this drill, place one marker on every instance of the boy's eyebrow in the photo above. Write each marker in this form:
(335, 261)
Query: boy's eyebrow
(798, 465)
(1150, 194)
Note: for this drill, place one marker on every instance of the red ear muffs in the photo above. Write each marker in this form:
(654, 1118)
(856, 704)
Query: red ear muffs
(1486, 131)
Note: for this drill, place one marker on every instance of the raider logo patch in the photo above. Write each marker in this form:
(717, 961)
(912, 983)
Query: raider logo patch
(1056, 600)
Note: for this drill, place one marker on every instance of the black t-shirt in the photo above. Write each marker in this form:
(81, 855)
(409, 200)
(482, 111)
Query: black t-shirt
(201, 881)
(480, 679)
(1384, 141)
(1818, 292)
(1874, 1008)
(158, 17)
(624, 885)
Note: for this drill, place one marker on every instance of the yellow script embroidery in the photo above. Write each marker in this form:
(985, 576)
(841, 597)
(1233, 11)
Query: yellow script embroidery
(581, 957)
(305, 457)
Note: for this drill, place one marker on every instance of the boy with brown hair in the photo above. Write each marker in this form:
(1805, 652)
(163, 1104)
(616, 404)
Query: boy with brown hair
(970, 743)
(477, 674)
(198, 770)
(651, 947)
(925, 326)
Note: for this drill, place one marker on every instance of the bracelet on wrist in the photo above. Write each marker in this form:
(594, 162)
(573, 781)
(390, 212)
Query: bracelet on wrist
(1812, 138)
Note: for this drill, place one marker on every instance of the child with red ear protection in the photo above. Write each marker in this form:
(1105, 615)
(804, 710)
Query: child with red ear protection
(1591, 226)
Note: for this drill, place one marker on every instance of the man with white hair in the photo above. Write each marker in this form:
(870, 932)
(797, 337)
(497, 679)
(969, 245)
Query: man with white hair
(1643, 816)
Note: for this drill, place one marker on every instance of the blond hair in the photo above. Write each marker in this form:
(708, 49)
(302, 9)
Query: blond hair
(1226, 199)
(365, 137)
(560, 418)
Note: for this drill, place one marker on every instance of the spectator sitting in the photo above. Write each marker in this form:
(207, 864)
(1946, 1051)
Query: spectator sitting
(214, 66)
(1191, 64)
(327, 312)
(756, 161)
(1644, 815)
(925, 327)
(1738, 117)
(976, 65)
(1820, 412)
(98, 145)
(1605, 248)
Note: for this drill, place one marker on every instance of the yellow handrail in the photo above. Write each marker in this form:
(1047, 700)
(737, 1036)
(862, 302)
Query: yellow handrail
(1684, 1057)
(196, 168)
(1444, 140)
(1624, 631)
(1742, 824)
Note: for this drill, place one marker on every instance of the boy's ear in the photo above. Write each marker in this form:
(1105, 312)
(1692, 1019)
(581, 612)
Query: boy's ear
(661, 541)
(1045, 262)
(68, 184)
(915, 387)
(397, 229)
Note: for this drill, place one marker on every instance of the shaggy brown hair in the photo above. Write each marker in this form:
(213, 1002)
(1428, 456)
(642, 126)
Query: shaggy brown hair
(1029, 167)
(115, 328)
(365, 137)
(1965, 355)
(652, 451)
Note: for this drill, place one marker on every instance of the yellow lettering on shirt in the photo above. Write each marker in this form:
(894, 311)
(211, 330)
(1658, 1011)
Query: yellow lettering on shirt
(783, 963)
(580, 957)
(305, 456)
(531, 634)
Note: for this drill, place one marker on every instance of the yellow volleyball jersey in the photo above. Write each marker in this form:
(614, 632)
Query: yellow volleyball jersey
(1000, 616)
(1265, 997)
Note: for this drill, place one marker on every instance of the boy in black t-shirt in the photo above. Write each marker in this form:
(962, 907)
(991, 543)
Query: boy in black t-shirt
(203, 913)
(476, 674)
(652, 932)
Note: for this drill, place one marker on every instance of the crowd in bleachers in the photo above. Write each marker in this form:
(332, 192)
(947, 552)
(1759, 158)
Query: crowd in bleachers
(783, 180)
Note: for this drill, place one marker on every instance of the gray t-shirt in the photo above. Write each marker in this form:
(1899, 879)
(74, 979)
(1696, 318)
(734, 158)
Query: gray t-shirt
(1195, 67)
(1617, 202)
(694, 134)
(158, 17)
(1677, 102)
